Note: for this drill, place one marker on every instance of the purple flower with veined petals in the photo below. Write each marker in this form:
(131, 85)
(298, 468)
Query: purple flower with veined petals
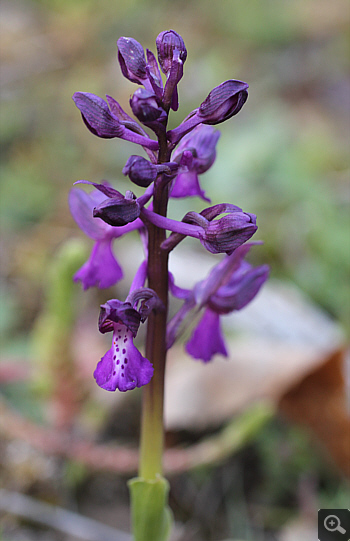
(200, 143)
(101, 269)
(233, 292)
(207, 339)
(123, 367)
(242, 287)
(229, 287)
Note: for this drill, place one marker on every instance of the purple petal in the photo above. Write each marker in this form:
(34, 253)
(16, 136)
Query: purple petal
(123, 367)
(206, 339)
(140, 277)
(154, 75)
(145, 300)
(220, 275)
(103, 188)
(202, 143)
(141, 171)
(243, 286)
(145, 107)
(81, 205)
(187, 185)
(101, 122)
(170, 97)
(101, 269)
(176, 291)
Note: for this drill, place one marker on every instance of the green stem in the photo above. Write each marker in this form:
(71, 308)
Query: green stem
(152, 432)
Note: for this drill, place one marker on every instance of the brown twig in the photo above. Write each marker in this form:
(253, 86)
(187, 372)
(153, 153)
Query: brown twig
(59, 519)
(124, 460)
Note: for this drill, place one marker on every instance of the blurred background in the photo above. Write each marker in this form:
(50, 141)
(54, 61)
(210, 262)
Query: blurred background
(285, 157)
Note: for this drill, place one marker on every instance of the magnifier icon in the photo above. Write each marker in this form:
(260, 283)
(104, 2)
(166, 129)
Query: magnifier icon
(332, 524)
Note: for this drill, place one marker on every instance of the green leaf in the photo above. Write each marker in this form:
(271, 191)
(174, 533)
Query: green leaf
(151, 517)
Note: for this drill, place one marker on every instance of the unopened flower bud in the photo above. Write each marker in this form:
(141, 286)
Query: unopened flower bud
(167, 42)
(132, 60)
(118, 211)
(110, 122)
(229, 232)
(223, 102)
(97, 116)
(145, 107)
(140, 171)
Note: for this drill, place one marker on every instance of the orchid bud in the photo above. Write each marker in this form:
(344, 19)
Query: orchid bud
(106, 123)
(167, 42)
(223, 102)
(97, 116)
(118, 211)
(229, 232)
(132, 60)
(145, 301)
(145, 107)
(140, 171)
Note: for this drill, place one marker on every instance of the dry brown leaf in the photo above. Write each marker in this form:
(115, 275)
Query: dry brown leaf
(280, 338)
(319, 402)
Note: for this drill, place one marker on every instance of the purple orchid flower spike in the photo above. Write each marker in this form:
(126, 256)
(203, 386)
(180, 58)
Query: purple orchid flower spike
(223, 102)
(175, 159)
(123, 367)
(101, 269)
(101, 121)
(198, 151)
